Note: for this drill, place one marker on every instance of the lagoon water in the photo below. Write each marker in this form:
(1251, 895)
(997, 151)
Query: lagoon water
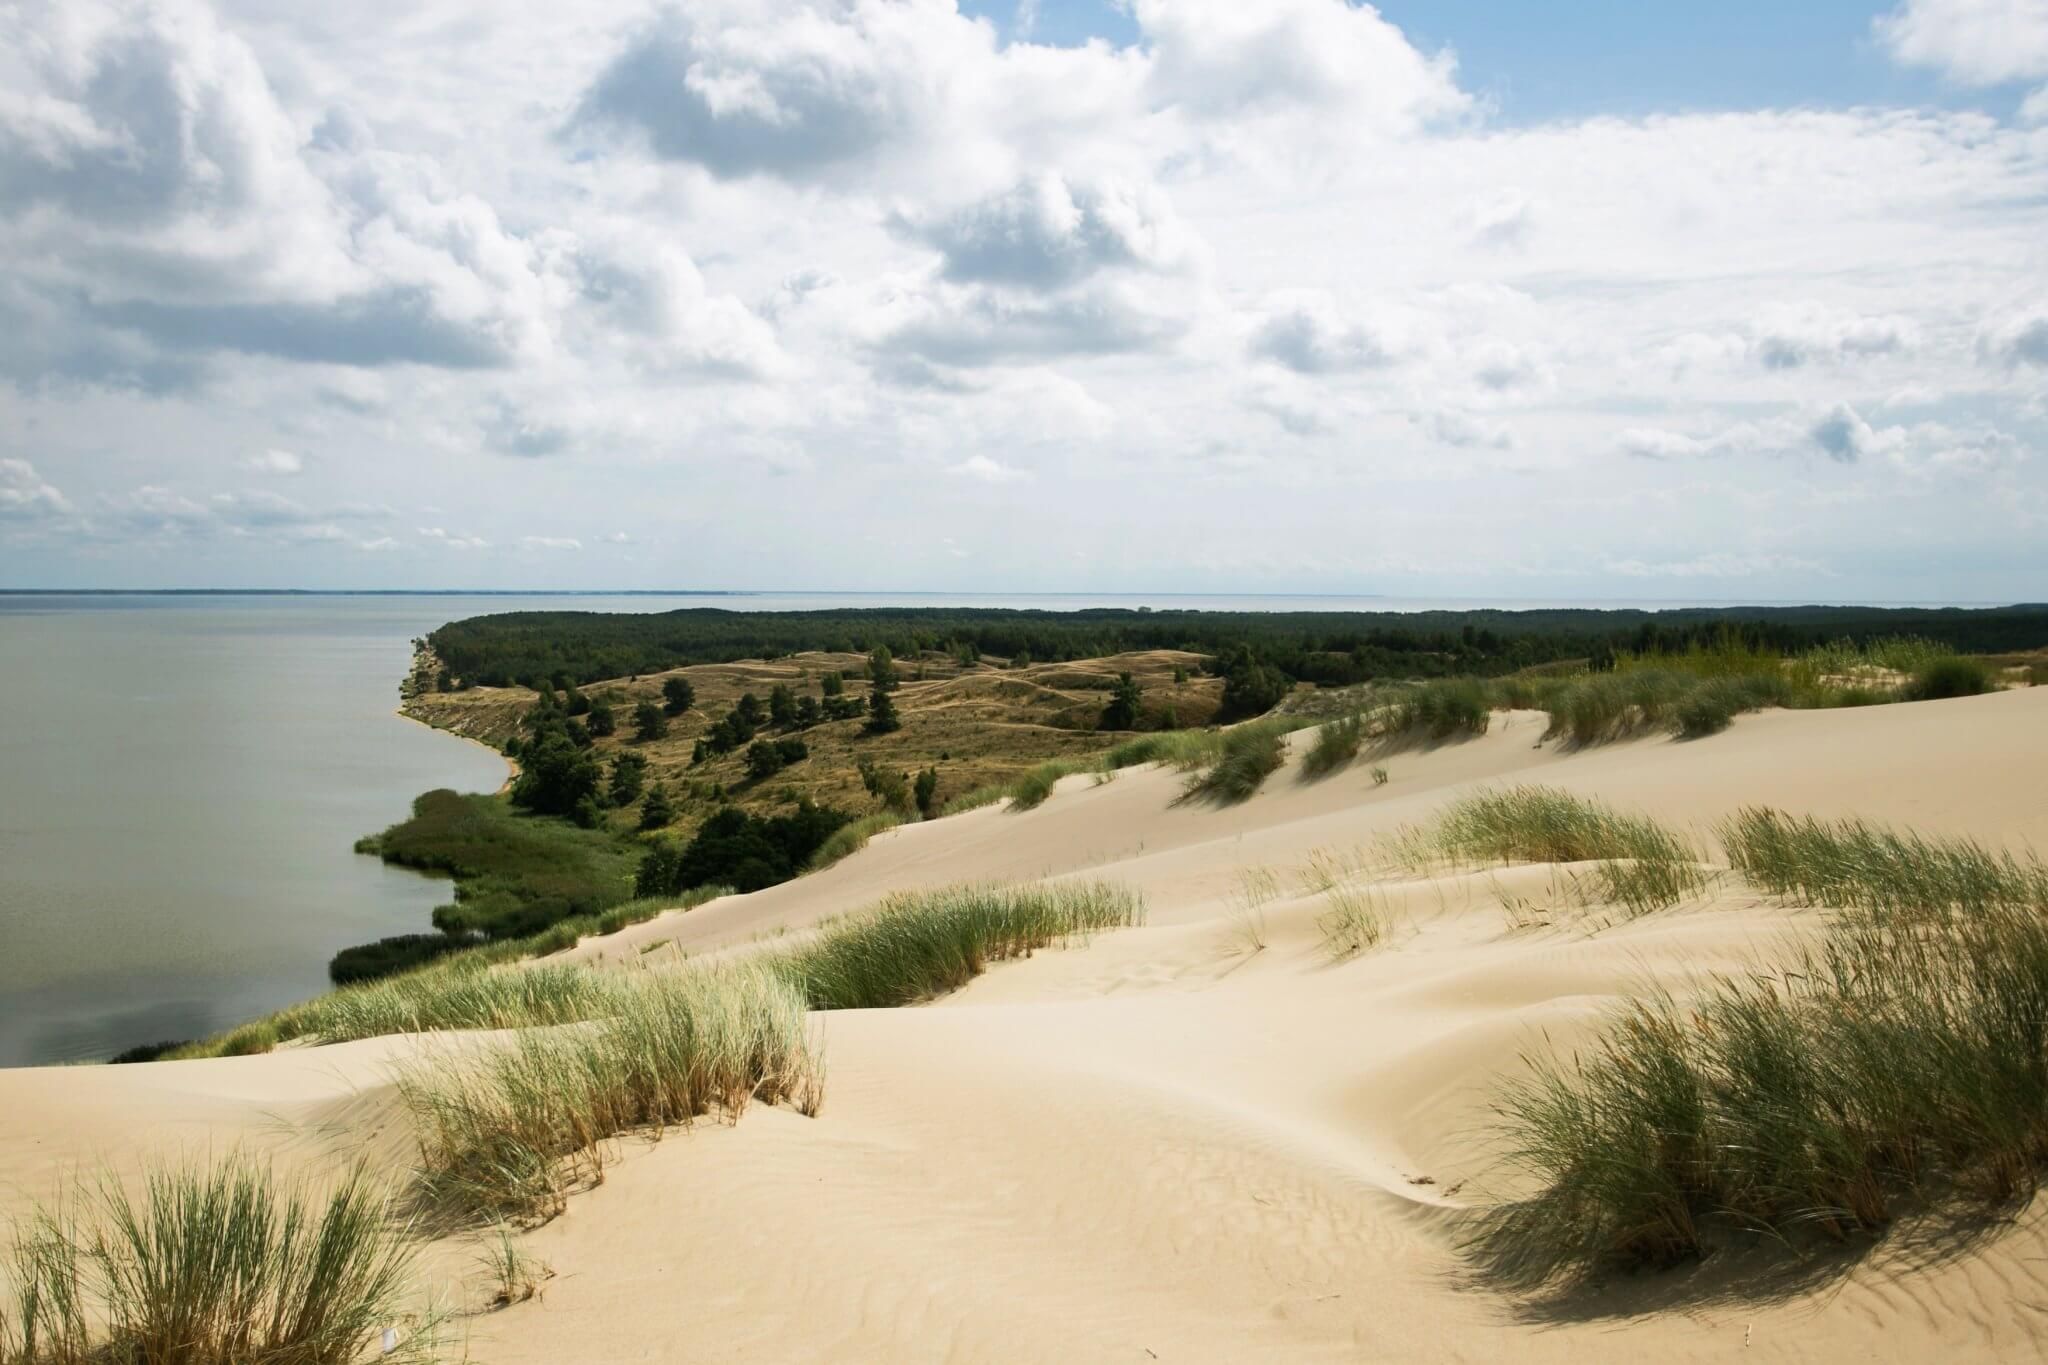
(182, 779)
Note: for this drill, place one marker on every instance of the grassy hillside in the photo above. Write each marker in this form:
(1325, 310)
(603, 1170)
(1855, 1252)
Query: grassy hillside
(977, 725)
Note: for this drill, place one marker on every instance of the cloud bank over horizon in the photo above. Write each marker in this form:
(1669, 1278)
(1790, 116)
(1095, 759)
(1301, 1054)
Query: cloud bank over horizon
(874, 294)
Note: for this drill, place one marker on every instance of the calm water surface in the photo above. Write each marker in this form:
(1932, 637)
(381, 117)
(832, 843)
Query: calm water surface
(182, 779)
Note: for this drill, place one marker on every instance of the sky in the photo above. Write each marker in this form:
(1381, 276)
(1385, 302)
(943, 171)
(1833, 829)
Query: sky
(1461, 298)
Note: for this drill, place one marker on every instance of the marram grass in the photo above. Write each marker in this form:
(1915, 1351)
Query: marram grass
(226, 1264)
(1641, 865)
(1900, 1063)
(850, 839)
(507, 1129)
(919, 945)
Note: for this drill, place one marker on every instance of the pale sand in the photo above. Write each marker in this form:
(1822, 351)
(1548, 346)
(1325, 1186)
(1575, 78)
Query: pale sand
(1162, 1145)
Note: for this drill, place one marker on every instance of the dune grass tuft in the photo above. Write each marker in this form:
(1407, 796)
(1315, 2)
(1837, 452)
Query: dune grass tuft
(506, 1130)
(1030, 790)
(919, 945)
(1887, 1065)
(1856, 864)
(1640, 865)
(1441, 709)
(509, 1128)
(515, 1275)
(218, 1265)
(1353, 919)
(852, 838)
(1250, 754)
(1336, 744)
(987, 795)
(1899, 1062)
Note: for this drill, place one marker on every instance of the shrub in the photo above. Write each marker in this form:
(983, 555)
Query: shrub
(677, 696)
(1250, 687)
(926, 792)
(739, 849)
(764, 760)
(887, 786)
(649, 723)
(213, 1266)
(1949, 677)
(514, 874)
(1250, 754)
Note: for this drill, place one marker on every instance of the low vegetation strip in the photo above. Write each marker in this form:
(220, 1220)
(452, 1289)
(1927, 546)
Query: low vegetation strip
(917, 946)
(220, 1265)
(508, 1129)
(1855, 864)
(1900, 1063)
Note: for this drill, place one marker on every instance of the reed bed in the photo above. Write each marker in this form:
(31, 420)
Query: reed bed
(218, 1265)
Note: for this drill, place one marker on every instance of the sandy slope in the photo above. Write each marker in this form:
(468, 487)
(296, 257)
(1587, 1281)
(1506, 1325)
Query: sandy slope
(1166, 1145)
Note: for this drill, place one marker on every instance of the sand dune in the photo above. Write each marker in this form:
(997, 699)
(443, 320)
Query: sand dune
(1169, 1144)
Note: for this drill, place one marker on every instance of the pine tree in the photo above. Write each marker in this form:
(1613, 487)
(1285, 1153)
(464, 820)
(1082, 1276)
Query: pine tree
(882, 716)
